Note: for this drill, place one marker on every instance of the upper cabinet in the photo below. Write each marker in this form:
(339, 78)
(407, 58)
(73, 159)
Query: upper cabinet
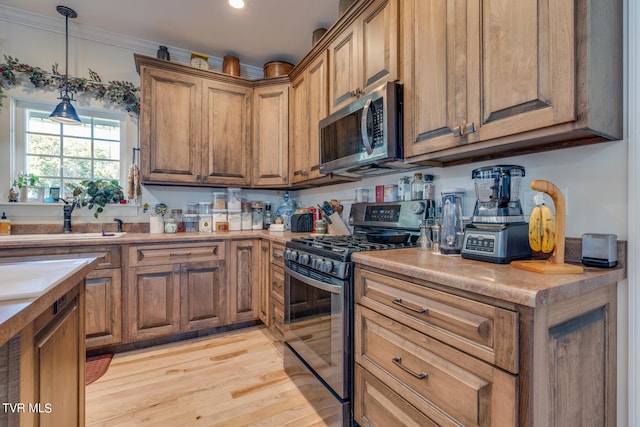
(365, 54)
(487, 79)
(308, 106)
(195, 125)
(271, 135)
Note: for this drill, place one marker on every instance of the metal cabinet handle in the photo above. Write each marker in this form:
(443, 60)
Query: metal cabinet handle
(457, 131)
(198, 177)
(470, 128)
(363, 127)
(398, 301)
(398, 362)
(184, 269)
(177, 270)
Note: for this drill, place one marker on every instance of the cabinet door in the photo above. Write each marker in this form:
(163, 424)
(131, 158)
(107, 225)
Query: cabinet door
(434, 78)
(277, 300)
(170, 122)
(103, 300)
(379, 42)
(59, 359)
(344, 57)
(299, 130)
(264, 288)
(317, 109)
(202, 288)
(525, 55)
(226, 133)
(271, 135)
(243, 280)
(153, 301)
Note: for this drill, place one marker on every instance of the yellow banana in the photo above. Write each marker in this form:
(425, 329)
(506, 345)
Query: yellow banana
(548, 230)
(535, 229)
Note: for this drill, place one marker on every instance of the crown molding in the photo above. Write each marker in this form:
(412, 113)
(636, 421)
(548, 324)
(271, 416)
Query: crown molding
(136, 45)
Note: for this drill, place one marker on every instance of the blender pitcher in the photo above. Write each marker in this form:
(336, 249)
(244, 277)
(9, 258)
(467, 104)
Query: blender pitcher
(452, 232)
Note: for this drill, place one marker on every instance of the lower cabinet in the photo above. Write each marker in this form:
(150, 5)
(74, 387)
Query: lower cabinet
(264, 293)
(52, 365)
(174, 288)
(103, 307)
(276, 289)
(243, 280)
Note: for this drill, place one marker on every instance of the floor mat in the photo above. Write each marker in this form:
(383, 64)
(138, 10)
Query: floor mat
(95, 367)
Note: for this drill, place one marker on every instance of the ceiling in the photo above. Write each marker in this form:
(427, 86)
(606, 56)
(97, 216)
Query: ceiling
(264, 31)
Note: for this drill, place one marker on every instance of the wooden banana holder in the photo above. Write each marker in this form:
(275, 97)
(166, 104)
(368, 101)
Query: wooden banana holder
(555, 263)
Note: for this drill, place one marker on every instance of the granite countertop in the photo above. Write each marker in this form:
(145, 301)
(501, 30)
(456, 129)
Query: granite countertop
(28, 288)
(487, 279)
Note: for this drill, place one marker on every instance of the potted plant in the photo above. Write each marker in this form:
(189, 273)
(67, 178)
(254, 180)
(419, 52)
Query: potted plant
(95, 193)
(30, 187)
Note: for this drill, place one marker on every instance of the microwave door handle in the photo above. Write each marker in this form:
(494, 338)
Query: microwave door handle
(363, 127)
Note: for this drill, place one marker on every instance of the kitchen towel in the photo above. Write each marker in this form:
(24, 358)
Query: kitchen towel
(134, 190)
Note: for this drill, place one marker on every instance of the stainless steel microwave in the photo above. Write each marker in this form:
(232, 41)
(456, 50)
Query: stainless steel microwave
(365, 137)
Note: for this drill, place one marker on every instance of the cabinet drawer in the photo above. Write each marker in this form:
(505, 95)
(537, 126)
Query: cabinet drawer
(482, 330)
(168, 254)
(375, 404)
(276, 254)
(447, 385)
(110, 254)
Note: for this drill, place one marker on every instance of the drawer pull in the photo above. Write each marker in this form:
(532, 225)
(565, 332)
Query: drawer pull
(398, 362)
(398, 301)
(179, 253)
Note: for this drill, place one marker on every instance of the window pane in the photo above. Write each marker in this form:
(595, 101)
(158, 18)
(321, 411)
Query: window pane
(106, 150)
(38, 121)
(76, 168)
(44, 144)
(76, 147)
(106, 169)
(106, 129)
(43, 166)
(51, 182)
(83, 129)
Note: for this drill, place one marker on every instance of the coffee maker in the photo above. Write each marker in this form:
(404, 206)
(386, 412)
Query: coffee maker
(498, 232)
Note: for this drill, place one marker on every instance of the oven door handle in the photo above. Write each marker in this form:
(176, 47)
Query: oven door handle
(334, 289)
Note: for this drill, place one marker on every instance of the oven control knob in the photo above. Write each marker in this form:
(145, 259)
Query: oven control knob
(304, 259)
(291, 255)
(326, 266)
(315, 263)
(417, 207)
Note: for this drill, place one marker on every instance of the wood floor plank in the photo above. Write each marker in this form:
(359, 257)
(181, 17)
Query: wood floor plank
(233, 379)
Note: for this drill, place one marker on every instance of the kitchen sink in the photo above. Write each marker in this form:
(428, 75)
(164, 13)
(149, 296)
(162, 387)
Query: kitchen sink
(60, 236)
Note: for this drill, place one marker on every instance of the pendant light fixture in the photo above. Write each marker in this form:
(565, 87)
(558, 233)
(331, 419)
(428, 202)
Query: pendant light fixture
(64, 112)
(237, 4)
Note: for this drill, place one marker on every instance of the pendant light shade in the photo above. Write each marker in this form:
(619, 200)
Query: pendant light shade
(64, 112)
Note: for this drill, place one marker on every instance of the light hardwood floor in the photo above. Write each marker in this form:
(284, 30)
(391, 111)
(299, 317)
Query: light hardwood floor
(233, 379)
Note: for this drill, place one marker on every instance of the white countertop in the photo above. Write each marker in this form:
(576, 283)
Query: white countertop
(31, 279)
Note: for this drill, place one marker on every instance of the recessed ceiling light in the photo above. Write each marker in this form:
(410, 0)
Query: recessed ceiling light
(238, 4)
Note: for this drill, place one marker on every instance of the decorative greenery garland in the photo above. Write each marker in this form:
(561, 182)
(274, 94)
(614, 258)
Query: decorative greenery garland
(121, 93)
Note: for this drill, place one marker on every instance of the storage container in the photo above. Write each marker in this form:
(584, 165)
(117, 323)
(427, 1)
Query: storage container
(234, 199)
(219, 215)
(234, 219)
(205, 225)
(219, 201)
(190, 222)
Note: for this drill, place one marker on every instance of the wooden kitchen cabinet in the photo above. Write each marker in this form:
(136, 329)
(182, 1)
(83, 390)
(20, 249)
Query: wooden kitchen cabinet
(174, 288)
(103, 301)
(308, 105)
(244, 272)
(492, 79)
(271, 135)
(365, 54)
(195, 125)
(449, 357)
(52, 363)
(264, 287)
(276, 286)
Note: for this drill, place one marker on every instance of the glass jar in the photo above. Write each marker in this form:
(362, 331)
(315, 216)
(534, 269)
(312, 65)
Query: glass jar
(190, 223)
(177, 214)
(404, 189)
(219, 201)
(257, 220)
(429, 191)
(417, 187)
(192, 207)
(246, 216)
(234, 218)
(204, 208)
(170, 225)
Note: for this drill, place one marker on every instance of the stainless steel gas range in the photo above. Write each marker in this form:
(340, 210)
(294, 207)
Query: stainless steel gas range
(319, 291)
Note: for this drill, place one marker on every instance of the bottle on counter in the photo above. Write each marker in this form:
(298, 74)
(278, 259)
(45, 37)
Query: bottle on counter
(285, 211)
(257, 215)
(5, 225)
(404, 189)
(417, 187)
(246, 216)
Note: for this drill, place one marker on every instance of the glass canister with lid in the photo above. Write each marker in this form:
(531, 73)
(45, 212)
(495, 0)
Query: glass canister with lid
(246, 216)
(257, 218)
(219, 201)
(190, 222)
(177, 214)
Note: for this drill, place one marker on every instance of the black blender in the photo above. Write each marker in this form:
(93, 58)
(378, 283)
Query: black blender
(498, 232)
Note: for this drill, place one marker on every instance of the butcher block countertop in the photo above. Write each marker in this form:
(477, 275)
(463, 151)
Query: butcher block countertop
(502, 282)
(30, 287)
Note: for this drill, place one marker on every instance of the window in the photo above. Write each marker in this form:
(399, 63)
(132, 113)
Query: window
(59, 154)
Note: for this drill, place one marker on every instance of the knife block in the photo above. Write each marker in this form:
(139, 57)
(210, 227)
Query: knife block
(337, 227)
